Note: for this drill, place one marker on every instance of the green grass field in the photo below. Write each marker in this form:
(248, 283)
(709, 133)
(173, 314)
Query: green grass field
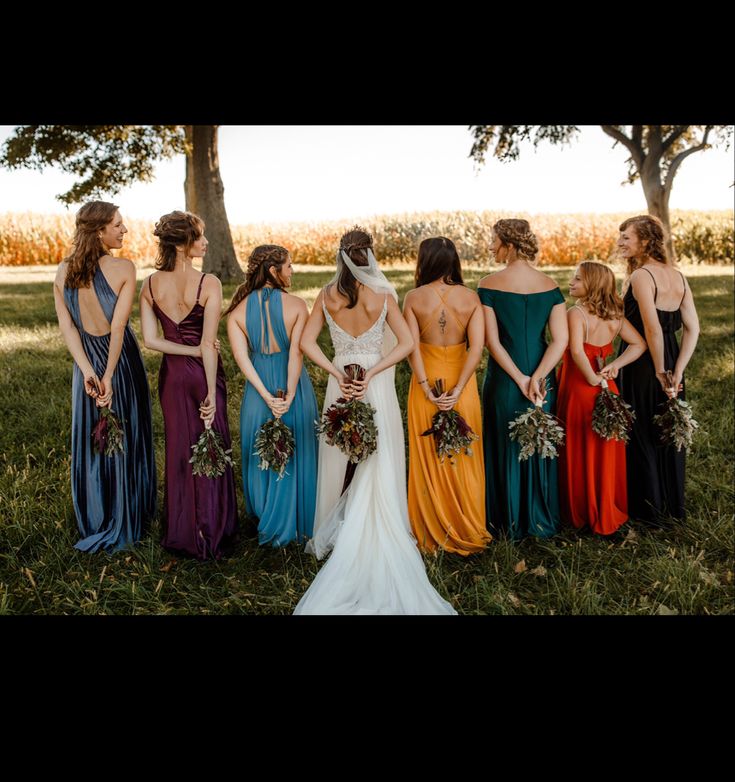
(687, 569)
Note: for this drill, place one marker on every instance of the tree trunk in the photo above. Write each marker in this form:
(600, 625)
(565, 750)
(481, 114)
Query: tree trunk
(657, 200)
(205, 196)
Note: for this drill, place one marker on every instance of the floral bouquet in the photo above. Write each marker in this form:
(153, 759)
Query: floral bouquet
(108, 435)
(677, 423)
(537, 432)
(210, 458)
(612, 417)
(452, 434)
(350, 425)
(274, 443)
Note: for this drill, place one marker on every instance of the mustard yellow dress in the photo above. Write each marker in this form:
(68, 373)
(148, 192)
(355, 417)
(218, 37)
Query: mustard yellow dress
(446, 503)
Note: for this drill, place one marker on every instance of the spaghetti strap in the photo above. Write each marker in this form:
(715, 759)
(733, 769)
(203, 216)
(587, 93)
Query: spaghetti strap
(655, 287)
(150, 289)
(199, 289)
(684, 280)
(586, 322)
(446, 306)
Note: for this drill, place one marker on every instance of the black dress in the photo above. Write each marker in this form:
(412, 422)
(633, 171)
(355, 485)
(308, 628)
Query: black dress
(655, 472)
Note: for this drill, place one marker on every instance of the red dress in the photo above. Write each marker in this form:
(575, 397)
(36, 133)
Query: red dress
(592, 480)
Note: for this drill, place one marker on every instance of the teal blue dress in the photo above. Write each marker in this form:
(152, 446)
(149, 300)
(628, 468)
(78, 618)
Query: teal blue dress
(522, 498)
(285, 507)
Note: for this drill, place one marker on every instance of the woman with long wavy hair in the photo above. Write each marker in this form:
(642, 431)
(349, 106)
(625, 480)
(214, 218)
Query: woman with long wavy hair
(658, 302)
(114, 496)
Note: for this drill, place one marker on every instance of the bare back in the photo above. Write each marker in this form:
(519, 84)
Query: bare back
(292, 307)
(667, 283)
(175, 292)
(598, 332)
(92, 316)
(362, 316)
(443, 312)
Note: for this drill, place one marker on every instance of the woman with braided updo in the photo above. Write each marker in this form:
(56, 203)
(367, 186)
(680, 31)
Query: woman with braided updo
(658, 302)
(522, 498)
(200, 512)
(264, 325)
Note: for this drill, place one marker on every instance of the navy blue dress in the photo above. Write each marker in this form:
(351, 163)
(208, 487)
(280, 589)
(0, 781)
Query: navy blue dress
(114, 496)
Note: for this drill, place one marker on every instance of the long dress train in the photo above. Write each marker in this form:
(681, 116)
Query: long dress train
(375, 566)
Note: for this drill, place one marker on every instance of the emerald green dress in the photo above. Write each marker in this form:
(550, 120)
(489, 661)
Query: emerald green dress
(522, 498)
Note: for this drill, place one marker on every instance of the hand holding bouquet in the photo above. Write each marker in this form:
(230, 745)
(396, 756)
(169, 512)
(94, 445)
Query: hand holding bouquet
(274, 443)
(210, 459)
(677, 422)
(612, 417)
(537, 432)
(452, 434)
(349, 423)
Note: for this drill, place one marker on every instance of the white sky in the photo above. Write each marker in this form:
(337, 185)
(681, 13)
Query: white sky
(313, 173)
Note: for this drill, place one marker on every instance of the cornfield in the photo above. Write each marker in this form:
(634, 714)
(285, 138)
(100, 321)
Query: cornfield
(564, 240)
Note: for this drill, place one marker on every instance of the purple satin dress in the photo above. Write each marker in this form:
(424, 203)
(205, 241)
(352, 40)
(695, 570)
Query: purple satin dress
(200, 512)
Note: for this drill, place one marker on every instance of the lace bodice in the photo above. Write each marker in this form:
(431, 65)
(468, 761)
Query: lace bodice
(370, 342)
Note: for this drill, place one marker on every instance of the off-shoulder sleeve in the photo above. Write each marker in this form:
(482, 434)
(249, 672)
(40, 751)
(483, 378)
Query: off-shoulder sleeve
(487, 297)
(558, 296)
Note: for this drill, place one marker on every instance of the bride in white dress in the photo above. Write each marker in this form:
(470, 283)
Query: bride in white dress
(375, 566)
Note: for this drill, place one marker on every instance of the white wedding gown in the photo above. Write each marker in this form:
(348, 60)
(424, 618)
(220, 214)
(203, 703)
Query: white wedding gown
(375, 566)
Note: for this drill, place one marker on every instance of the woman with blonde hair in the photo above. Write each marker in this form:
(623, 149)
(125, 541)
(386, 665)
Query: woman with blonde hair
(592, 477)
(658, 302)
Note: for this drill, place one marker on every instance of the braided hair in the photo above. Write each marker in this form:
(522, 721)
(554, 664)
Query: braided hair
(517, 233)
(262, 259)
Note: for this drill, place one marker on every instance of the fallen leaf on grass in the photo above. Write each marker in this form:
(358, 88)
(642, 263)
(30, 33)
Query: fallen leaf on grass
(538, 571)
(664, 610)
(520, 566)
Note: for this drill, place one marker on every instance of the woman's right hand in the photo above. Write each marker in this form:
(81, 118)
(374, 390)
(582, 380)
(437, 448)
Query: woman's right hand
(92, 383)
(524, 384)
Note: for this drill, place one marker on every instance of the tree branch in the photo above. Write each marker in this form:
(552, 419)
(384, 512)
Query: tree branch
(676, 133)
(679, 159)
